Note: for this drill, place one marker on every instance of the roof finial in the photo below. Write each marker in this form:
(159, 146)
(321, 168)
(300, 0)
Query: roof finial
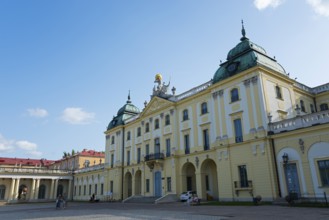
(128, 101)
(243, 31)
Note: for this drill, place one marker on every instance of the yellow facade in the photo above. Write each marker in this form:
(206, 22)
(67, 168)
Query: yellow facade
(234, 150)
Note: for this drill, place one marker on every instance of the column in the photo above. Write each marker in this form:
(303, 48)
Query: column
(69, 196)
(16, 188)
(51, 195)
(198, 181)
(36, 194)
(12, 187)
(55, 188)
(32, 193)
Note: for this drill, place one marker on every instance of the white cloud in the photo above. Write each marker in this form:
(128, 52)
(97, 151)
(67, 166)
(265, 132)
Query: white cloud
(320, 7)
(263, 4)
(37, 112)
(26, 147)
(6, 145)
(77, 116)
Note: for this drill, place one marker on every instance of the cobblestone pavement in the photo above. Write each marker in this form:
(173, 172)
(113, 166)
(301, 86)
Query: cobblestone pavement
(116, 211)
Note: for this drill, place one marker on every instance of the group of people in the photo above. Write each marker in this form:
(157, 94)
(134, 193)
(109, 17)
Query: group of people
(61, 202)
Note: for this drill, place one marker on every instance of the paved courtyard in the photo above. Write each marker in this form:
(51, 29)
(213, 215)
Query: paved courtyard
(118, 211)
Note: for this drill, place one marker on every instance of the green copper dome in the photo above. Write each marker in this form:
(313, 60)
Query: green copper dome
(125, 112)
(243, 56)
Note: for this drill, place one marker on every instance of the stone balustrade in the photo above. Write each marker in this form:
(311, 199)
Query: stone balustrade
(300, 122)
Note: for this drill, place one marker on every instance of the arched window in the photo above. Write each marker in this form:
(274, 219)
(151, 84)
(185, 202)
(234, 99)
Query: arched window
(2, 192)
(204, 108)
(167, 120)
(278, 92)
(42, 192)
(147, 127)
(185, 115)
(234, 95)
(156, 123)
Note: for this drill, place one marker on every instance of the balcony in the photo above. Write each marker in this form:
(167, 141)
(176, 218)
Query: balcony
(243, 186)
(154, 159)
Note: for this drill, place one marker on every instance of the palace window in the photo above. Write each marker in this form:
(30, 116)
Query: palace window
(128, 136)
(312, 108)
(238, 130)
(324, 107)
(243, 176)
(185, 115)
(156, 123)
(278, 92)
(324, 172)
(147, 149)
(84, 189)
(102, 188)
(302, 106)
(128, 157)
(206, 139)
(234, 95)
(168, 153)
(139, 132)
(2, 192)
(90, 189)
(204, 108)
(95, 189)
(138, 155)
(167, 120)
(79, 190)
(112, 140)
(112, 160)
(147, 127)
(187, 143)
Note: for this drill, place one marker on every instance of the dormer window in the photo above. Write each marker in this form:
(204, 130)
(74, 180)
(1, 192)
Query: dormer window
(185, 115)
(234, 95)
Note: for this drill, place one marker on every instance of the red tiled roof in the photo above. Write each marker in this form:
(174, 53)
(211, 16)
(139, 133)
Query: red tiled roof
(86, 153)
(91, 153)
(24, 161)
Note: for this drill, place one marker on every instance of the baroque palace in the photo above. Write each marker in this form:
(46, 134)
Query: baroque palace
(251, 130)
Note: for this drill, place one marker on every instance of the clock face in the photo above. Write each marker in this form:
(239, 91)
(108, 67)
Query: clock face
(232, 67)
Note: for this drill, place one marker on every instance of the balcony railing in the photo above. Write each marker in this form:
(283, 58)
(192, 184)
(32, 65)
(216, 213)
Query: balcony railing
(303, 121)
(156, 156)
(243, 186)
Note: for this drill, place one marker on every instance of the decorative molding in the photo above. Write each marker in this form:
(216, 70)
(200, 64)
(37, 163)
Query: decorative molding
(254, 79)
(247, 82)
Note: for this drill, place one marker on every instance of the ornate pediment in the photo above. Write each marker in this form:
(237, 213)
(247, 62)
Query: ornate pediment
(156, 104)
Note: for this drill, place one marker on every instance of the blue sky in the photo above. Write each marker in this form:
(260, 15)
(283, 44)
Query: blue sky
(66, 66)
